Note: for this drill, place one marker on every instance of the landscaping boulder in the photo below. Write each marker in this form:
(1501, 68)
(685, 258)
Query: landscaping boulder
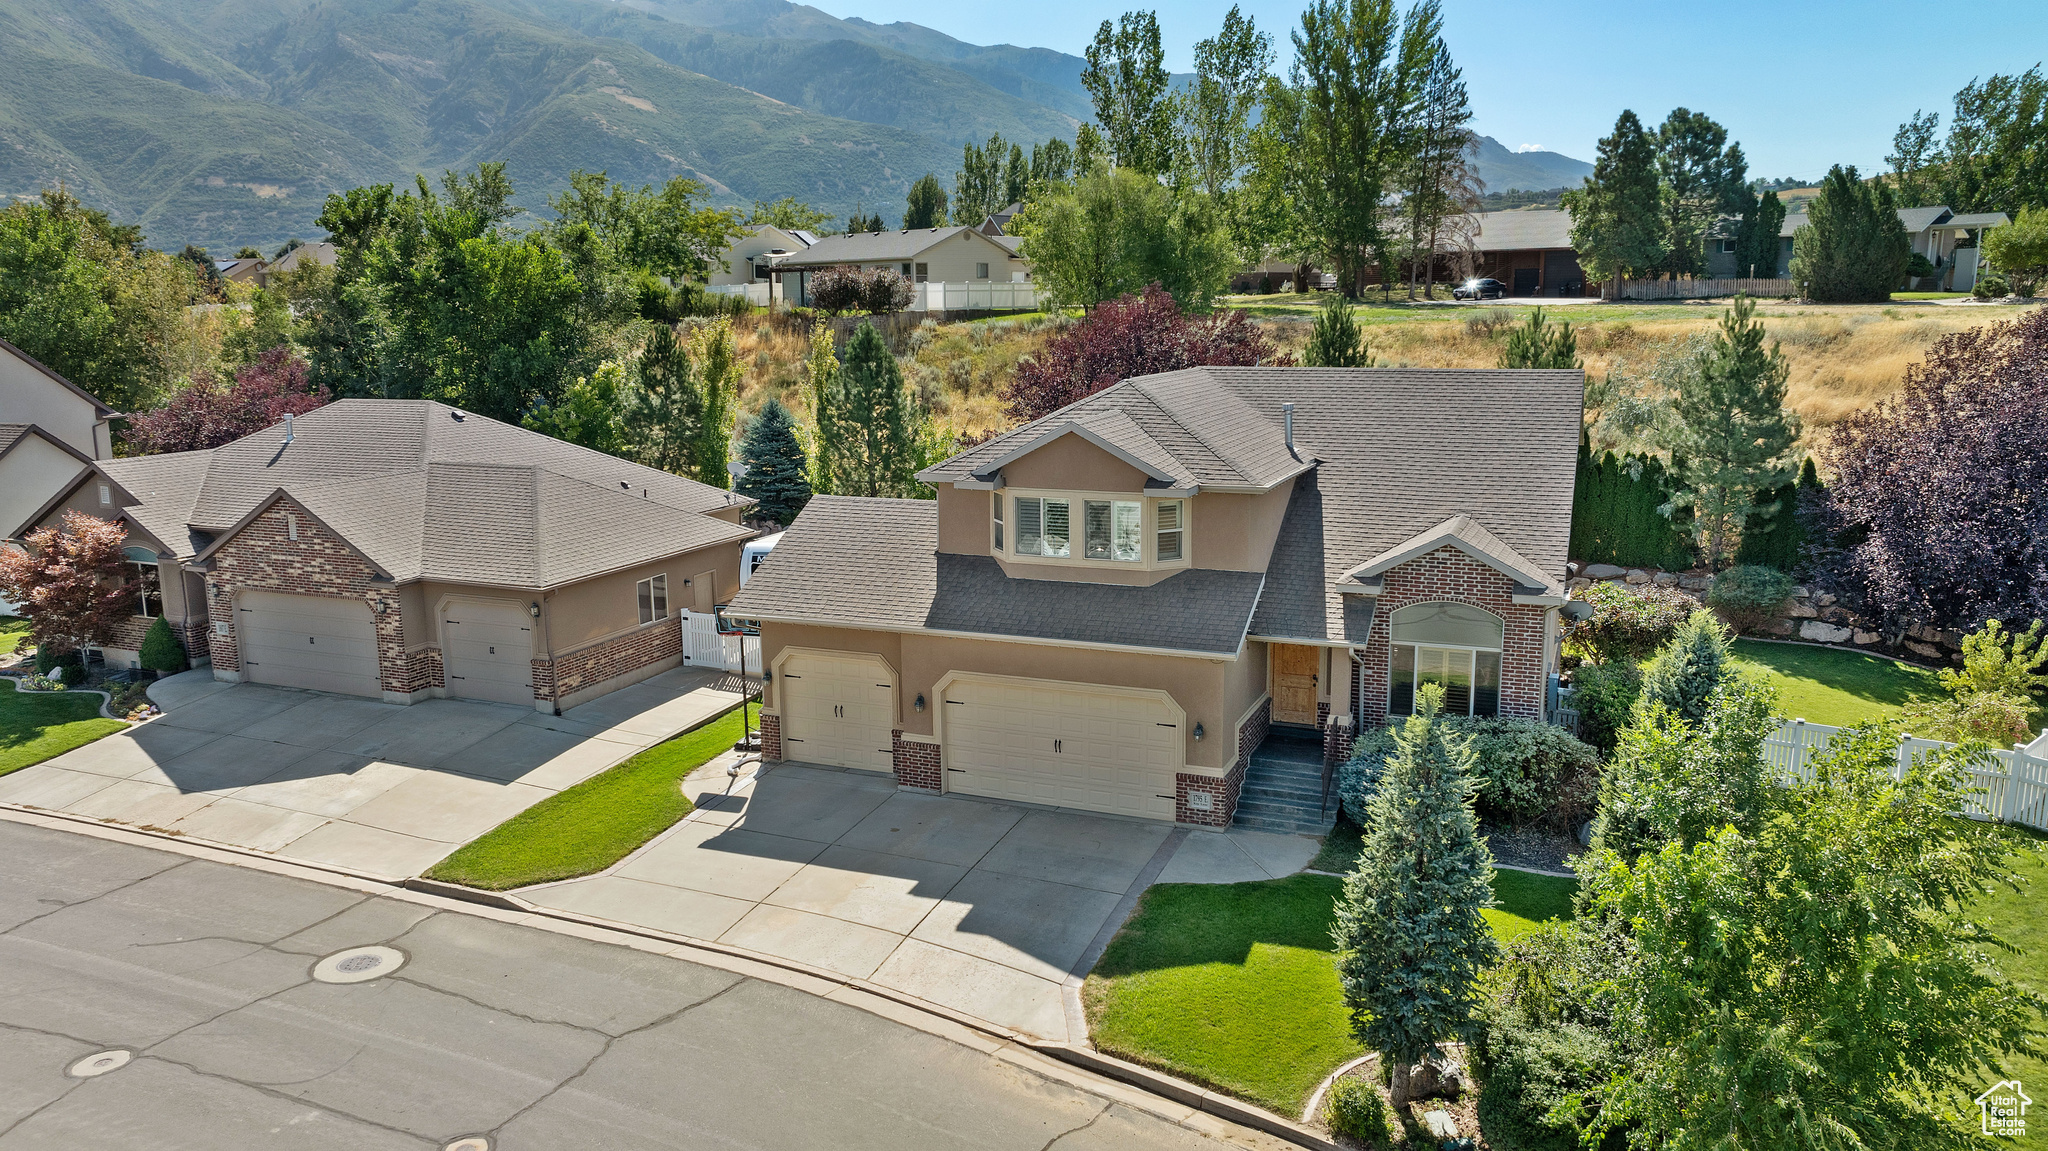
(1695, 582)
(1923, 649)
(1603, 571)
(1577, 582)
(1865, 638)
(1802, 611)
(1820, 632)
(1665, 579)
(1825, 598)
(1637, 576)
(1801, 592)
(1781, 627)
(1440, 1124)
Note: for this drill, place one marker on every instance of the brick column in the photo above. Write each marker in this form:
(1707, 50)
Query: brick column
(916, 761)
(771, 737)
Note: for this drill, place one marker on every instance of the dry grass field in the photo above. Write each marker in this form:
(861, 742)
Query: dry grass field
(1843, 358)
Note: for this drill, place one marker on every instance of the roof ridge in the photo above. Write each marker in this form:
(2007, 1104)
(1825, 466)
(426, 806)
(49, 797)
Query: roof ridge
(1192, 433)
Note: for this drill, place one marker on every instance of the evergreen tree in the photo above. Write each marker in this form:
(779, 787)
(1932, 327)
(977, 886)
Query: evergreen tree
(1779, 541)
(716, 356)
(1127, 79)
(1853, 249)
(1616, 516)
(1685, 673)
(777, 474)
(1410, 938)
(1702, 178)
(663, 408)
(1756, 237)
(867, 424)
(926, 206)
(1336, 342)
(1616, 214)
(1439, 187)
(1734, 435)
(161, 649)
(1541, 344)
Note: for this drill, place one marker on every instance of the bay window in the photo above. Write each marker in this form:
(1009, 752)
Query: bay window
(1454, 645)
(1111, 530)
(1171, 531)
(998, 502)
(1042, 527)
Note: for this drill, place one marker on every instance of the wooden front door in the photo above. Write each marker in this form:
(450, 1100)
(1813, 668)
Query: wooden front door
(1294, 671)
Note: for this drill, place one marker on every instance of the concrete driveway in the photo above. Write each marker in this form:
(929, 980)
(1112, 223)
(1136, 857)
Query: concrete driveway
(986, 908)
(356, 783)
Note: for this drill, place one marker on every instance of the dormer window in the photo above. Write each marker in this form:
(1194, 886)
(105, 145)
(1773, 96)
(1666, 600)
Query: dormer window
(1111, 530)
(1042, 527)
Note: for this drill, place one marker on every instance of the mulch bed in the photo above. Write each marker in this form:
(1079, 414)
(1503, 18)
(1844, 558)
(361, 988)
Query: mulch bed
(1531, 847)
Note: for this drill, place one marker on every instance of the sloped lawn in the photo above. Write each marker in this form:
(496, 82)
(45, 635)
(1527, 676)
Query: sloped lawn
(2016, 917)
(1235, 985)
(1836, 687)
(13, 633)
(34, 726)
(594, 824)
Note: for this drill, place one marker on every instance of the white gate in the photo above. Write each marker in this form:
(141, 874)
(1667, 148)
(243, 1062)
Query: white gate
(705, 646)
(2014, 783)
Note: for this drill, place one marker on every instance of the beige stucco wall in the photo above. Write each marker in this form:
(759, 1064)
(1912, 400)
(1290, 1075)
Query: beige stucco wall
(756, 244)
(30, 475)
(595, 609)
(1244, 682)
(1236, 532)
(1073, 464)
(963, 521)
(27, 396)
(1198, 685)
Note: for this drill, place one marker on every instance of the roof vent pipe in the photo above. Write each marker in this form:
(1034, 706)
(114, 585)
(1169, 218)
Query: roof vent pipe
(287, 427)
(1287, 417)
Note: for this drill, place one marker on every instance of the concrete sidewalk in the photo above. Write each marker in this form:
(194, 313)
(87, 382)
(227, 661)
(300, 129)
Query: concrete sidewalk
(377, 788)
(986, 908)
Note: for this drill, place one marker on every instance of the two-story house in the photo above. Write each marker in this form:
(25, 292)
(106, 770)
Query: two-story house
(51, 430)
(1110, 608)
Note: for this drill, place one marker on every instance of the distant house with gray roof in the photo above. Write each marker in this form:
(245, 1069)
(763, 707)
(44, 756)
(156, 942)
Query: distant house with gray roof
(952, 255)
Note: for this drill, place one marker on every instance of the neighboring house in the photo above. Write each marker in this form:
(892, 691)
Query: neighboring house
(245, 271)
(51, 430)
(1947, 240)
(1110, 608)
(1531, 252)
(317, 253)
(954, 255)
(996, 224)
(404, 549)
(748, 260)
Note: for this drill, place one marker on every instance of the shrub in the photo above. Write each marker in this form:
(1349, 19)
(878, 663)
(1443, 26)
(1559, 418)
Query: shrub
(1355, 1108)
(1616, 517)
(1686, 671)
(1604, 694)
(1545, 1034)
(1528, 772)
(1918, 266)
(161, 650)
(72, 661)
(1990, 286)
(1750, 595)
(1628, 622)
(1998, 718)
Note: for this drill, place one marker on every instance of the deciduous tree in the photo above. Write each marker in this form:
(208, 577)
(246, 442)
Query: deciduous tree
(1132, 336)
(821, 372)
(1411, 942)
(2020, 249)
(206, 413)
(789, 214)
(70, 582)
(1112, 232)
(590, 412)
(1440, 189)
(1126, 78)
(926, 204)
(715, 355)
(1215, 112)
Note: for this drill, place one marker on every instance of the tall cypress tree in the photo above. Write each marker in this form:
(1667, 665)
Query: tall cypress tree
(716, 355)
(821, 369)
(777, 472)
(1756, 237)
(664, 409)
(1616, 225)
(1410, 938)
(871, 422)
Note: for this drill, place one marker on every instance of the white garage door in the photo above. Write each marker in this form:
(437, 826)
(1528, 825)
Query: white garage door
(308, 641)
(487, 651)
(837, 710)
(1079, 745)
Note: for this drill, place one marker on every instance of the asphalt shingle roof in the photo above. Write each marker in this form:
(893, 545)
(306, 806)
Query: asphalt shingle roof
(426, 495)
(869, 563)
(872, 247)
(1516, 231)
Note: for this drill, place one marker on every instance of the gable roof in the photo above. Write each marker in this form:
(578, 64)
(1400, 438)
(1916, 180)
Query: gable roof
(12, 435)
(875, 564)
(1916, 220)
(1461, 532)
(876, 247)
(1515, 231)
(100, 409)
(426, 491)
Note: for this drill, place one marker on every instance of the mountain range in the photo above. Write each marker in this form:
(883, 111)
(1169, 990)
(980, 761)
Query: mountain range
(228, 122)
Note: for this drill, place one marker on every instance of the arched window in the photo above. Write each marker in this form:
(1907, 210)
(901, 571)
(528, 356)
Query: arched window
(142, 576)
(1452, 644)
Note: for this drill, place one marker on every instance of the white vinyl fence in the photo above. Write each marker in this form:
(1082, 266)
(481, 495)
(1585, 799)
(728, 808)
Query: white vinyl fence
(756, 294)
(1703, 289)
(2014, 783)
(978, 295)
(705, 646)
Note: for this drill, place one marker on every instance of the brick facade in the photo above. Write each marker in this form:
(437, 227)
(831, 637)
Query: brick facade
(606, 660)
(264, 556)
(916, 763)
(771, 737)
(1223, 792)
(1449, 574)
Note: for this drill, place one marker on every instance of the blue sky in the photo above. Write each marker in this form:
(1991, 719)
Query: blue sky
(1801, 83)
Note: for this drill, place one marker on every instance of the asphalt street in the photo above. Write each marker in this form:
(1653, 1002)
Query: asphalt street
(470, 1032)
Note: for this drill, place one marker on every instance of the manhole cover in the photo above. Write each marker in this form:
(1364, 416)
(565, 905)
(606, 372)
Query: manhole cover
(473, 1143)
(99, 1064)
(358, 964)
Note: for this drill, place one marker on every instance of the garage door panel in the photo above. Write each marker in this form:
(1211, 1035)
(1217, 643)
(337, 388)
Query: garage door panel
(316, 642)
(487, 651)
(1094, 747)
(837, 710)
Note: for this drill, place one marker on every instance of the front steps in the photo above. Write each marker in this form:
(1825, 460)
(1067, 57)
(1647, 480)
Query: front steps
(1283, 788)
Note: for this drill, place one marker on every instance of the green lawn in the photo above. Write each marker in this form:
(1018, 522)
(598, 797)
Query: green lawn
(1837, 687)
(2016, 917)
(13, 633)
(37, 725)
(1929, 295)
(594, 824)
(1235, 985)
